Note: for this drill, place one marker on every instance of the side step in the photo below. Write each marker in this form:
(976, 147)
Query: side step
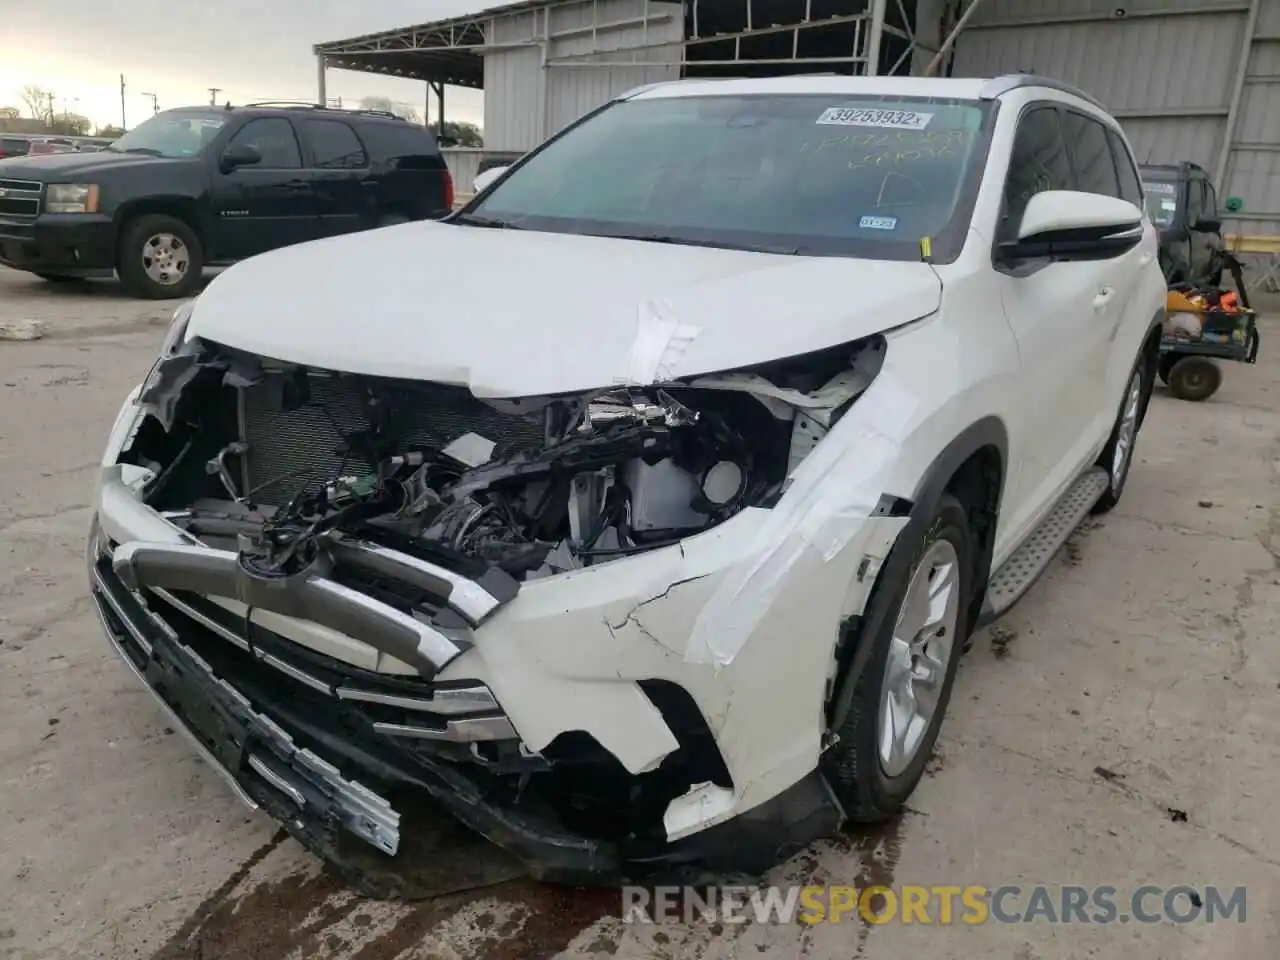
(1011, 582)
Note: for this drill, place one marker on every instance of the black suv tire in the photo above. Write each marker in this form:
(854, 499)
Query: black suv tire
(152, 235)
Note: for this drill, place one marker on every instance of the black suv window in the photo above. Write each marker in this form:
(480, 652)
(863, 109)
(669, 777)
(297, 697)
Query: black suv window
(274, 139)
(334, 145)
(1095, 166)
(1130, 182)
(1039, 162)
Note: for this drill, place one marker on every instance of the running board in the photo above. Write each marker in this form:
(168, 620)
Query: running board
(1016, 575)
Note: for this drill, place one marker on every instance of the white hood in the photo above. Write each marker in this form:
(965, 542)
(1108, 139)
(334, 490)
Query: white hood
(512, 313)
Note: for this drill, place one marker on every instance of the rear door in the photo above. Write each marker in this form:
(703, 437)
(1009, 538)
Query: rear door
(1094, 163)
(412, 178)
(269, 204)
(338, 163)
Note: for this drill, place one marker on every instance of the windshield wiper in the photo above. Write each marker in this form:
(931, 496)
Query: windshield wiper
(687, 242)
(473, 220)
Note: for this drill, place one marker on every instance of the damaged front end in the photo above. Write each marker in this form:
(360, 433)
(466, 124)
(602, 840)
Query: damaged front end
(319, 547)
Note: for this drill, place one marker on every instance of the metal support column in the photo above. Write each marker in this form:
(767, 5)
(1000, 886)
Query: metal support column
(873, 41)
(1237, 94)
(948, 43)
(322, 97)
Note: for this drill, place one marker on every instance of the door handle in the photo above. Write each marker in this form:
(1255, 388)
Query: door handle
(1103, 298)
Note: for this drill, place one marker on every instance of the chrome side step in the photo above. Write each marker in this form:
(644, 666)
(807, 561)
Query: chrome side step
(1016, 575)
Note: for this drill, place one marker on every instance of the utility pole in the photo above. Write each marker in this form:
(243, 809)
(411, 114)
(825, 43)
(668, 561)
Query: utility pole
(124, 123)
(51, 116)
(155, 102)
(213, 95)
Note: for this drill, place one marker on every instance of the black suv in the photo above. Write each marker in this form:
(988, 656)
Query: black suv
(207, 186)
(1183, 206)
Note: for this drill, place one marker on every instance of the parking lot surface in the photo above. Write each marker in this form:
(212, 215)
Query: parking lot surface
(1121, 727)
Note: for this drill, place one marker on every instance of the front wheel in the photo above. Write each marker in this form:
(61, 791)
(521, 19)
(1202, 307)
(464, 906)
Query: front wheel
(160, 257)
(901, 696)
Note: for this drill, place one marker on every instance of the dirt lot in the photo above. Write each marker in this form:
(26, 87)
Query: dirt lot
(1121, 727)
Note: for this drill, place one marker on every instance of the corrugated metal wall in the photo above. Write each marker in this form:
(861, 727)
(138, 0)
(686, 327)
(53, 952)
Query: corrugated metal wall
(525, 102)
(1167, 70)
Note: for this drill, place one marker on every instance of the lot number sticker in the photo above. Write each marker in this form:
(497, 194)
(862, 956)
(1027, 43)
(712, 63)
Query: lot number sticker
(894, 119)
(878, 223)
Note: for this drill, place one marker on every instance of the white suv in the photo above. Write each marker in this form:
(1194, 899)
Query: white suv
(661, 543)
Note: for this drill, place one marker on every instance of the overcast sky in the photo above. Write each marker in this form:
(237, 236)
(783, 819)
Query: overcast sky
(252, 49)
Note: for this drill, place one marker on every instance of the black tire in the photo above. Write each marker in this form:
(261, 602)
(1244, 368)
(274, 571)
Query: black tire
(1166, 363)
(853, 765)
(1116, 480)
(1195, 379)
(137, 236)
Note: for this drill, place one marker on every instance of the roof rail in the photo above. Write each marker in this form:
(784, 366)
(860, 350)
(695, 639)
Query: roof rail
(306, 105)
(999, 86)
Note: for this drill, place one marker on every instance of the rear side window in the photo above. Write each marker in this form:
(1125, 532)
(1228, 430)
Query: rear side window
(274, 139)
(1039, 162)
(1130, 182)
(334, 145)
(1095, 166)
(405, 146)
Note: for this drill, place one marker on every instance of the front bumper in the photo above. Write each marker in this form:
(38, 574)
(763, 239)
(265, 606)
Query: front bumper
(571, 655)
(72, 245)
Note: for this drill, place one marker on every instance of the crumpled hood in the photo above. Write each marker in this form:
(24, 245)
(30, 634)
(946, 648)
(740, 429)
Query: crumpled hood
(512, 313)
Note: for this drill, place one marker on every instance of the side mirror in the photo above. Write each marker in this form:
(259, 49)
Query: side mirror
(1070, 225)
(483, 180)
(239, 155)
(1207, 225)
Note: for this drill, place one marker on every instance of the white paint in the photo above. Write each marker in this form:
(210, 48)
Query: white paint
(1055, 210)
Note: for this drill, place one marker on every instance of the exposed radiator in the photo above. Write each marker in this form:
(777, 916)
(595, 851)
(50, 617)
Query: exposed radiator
(293, 449)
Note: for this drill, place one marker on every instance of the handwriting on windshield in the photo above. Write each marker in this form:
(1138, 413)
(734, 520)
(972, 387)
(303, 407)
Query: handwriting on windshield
(893, 147)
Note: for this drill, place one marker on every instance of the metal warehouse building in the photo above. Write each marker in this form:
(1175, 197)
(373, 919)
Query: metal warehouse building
(1194, 80)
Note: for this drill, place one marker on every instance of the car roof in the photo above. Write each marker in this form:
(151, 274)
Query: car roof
(836, 85)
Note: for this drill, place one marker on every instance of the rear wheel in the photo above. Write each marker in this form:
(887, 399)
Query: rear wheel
(901, 696)
(160, 257)
(1117, 455)
(1195, 379)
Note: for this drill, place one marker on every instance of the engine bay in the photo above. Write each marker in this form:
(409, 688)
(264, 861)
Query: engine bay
(274, 457)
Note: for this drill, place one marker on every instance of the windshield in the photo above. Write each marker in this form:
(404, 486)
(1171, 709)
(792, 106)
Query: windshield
(1162, 201)
(174, 134)
(809, 174)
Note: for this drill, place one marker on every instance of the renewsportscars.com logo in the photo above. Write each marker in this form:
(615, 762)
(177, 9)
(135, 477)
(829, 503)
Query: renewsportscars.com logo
(939, 905)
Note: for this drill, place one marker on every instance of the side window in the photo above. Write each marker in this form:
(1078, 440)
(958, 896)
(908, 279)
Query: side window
(1210, 201)
(275, 140)
(1094, 165)
(1130, 182)
(334, 145)
(1039, 162)
(1195, 200)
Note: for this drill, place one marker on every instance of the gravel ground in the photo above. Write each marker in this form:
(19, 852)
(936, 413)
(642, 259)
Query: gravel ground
(1118, 728)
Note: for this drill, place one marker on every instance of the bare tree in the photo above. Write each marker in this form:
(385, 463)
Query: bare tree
(388, 105)
(37, 101)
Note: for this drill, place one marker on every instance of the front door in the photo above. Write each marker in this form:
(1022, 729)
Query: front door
(1058, 314)
(269, 204)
